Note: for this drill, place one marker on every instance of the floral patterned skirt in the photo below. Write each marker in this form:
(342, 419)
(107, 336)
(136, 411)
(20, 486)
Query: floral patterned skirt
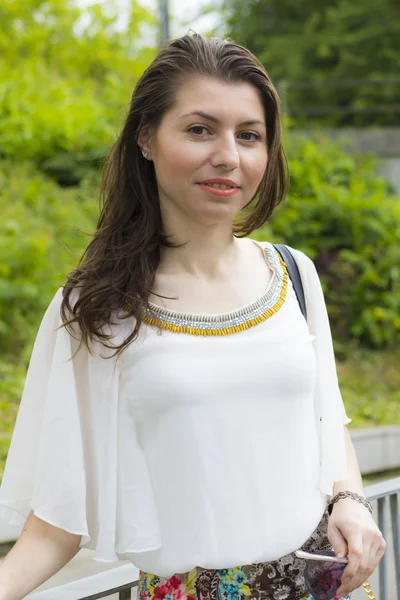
(278, 580)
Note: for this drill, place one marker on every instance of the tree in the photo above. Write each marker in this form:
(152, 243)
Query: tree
(327, 52)
(66, 77)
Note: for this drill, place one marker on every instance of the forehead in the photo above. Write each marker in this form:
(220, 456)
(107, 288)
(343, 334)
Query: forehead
(218, 98)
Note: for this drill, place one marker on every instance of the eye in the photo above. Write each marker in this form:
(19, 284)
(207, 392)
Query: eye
(198, 129)
(248, 134)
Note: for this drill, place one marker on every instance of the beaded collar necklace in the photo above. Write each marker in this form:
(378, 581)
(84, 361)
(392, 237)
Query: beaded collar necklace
(230, 322)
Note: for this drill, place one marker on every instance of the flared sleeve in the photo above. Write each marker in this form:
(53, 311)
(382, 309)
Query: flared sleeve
(74, 456)
(330, 412)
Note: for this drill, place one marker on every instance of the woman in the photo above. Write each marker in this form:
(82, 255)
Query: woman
(198, 430)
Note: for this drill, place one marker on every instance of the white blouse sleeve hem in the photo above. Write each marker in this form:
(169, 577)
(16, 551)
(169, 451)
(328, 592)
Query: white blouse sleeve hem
(75, 457)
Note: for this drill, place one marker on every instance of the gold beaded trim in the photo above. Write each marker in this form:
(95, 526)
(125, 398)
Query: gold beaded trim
(151, 319)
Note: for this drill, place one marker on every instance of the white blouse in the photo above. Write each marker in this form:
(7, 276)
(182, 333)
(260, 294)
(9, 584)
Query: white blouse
(211, 451)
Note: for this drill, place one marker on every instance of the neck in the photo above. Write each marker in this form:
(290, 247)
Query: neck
(208, 251)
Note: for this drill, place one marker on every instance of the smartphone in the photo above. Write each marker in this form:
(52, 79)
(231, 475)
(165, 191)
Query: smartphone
(309, 556)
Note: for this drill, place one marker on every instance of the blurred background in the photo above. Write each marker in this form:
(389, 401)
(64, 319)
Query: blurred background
(67, 71)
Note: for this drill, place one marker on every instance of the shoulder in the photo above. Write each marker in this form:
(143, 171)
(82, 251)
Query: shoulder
(303, 260)
(54, 316)
(58, 297)
(52, 312)
(308, 271)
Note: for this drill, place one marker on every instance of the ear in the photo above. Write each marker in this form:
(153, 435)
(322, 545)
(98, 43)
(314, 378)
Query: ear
(144, 141)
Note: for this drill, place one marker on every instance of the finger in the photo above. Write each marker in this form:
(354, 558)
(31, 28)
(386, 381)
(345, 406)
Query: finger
(355, 553)
(350, 581)
(350, 586)
(365, 568)
(378, 551)
(337, 542)
(367, 562)
(381, 548)
(372, 554)
(375, 555)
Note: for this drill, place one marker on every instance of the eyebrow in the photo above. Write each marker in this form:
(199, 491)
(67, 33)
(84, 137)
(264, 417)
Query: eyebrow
(208, 117)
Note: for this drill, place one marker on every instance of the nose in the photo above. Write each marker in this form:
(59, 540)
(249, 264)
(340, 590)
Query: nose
(225, 153)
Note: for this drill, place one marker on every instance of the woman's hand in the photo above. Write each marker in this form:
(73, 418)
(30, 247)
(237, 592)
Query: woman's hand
(353, 533)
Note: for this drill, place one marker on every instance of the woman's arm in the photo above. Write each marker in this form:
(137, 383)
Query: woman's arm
(353, 482)
(40, 552)
(352, 530)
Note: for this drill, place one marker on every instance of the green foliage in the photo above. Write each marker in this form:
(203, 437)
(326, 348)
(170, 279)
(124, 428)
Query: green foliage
(41, 239)
(334, 42)
(342, 214)
(11, 385)
(370, 383)
(66, 75)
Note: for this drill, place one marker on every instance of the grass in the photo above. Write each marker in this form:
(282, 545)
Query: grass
(369, 382)
(372, 478)
(370, 386)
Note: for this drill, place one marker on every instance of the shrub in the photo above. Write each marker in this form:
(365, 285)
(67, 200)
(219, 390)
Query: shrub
(66, 76)
(42, 235)
(344, 216)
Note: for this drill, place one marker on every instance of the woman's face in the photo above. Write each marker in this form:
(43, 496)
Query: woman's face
(209, 152)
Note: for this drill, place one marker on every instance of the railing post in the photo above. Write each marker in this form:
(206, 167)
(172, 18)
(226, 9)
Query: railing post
(382, 519)
(394, 513)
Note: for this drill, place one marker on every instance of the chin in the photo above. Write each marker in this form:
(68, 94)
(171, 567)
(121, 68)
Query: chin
(211, 220)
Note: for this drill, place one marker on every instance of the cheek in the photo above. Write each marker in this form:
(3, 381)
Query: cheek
(254, 168)
(173, 170)
(178, 159)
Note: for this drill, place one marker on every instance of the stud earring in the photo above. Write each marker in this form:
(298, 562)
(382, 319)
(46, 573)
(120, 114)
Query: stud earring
(145, 155)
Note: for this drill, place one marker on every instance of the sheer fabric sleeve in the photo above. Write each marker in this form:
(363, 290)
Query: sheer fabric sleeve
(74, 456)
(330, 412)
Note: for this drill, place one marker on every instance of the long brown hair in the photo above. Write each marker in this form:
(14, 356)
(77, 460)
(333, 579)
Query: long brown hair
(119, 265)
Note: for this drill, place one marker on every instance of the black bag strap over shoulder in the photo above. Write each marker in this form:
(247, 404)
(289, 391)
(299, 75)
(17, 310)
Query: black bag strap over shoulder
(294, 275)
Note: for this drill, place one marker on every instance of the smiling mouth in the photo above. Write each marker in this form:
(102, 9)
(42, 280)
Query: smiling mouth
(220, 186)
(219, 189)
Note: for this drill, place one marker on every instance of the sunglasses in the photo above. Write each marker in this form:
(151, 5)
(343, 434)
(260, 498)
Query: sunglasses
(323, 573)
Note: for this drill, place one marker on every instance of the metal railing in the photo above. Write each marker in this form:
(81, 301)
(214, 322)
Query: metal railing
(386, 494)
(123, 591)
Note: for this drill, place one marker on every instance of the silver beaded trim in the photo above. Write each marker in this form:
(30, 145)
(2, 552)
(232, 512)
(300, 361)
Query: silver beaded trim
(230, 319)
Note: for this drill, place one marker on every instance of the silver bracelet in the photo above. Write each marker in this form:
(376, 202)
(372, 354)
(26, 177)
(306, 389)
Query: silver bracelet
(351, 495)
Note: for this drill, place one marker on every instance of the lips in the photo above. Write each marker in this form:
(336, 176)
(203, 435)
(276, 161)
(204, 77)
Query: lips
(220, 187)
(220, 183)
